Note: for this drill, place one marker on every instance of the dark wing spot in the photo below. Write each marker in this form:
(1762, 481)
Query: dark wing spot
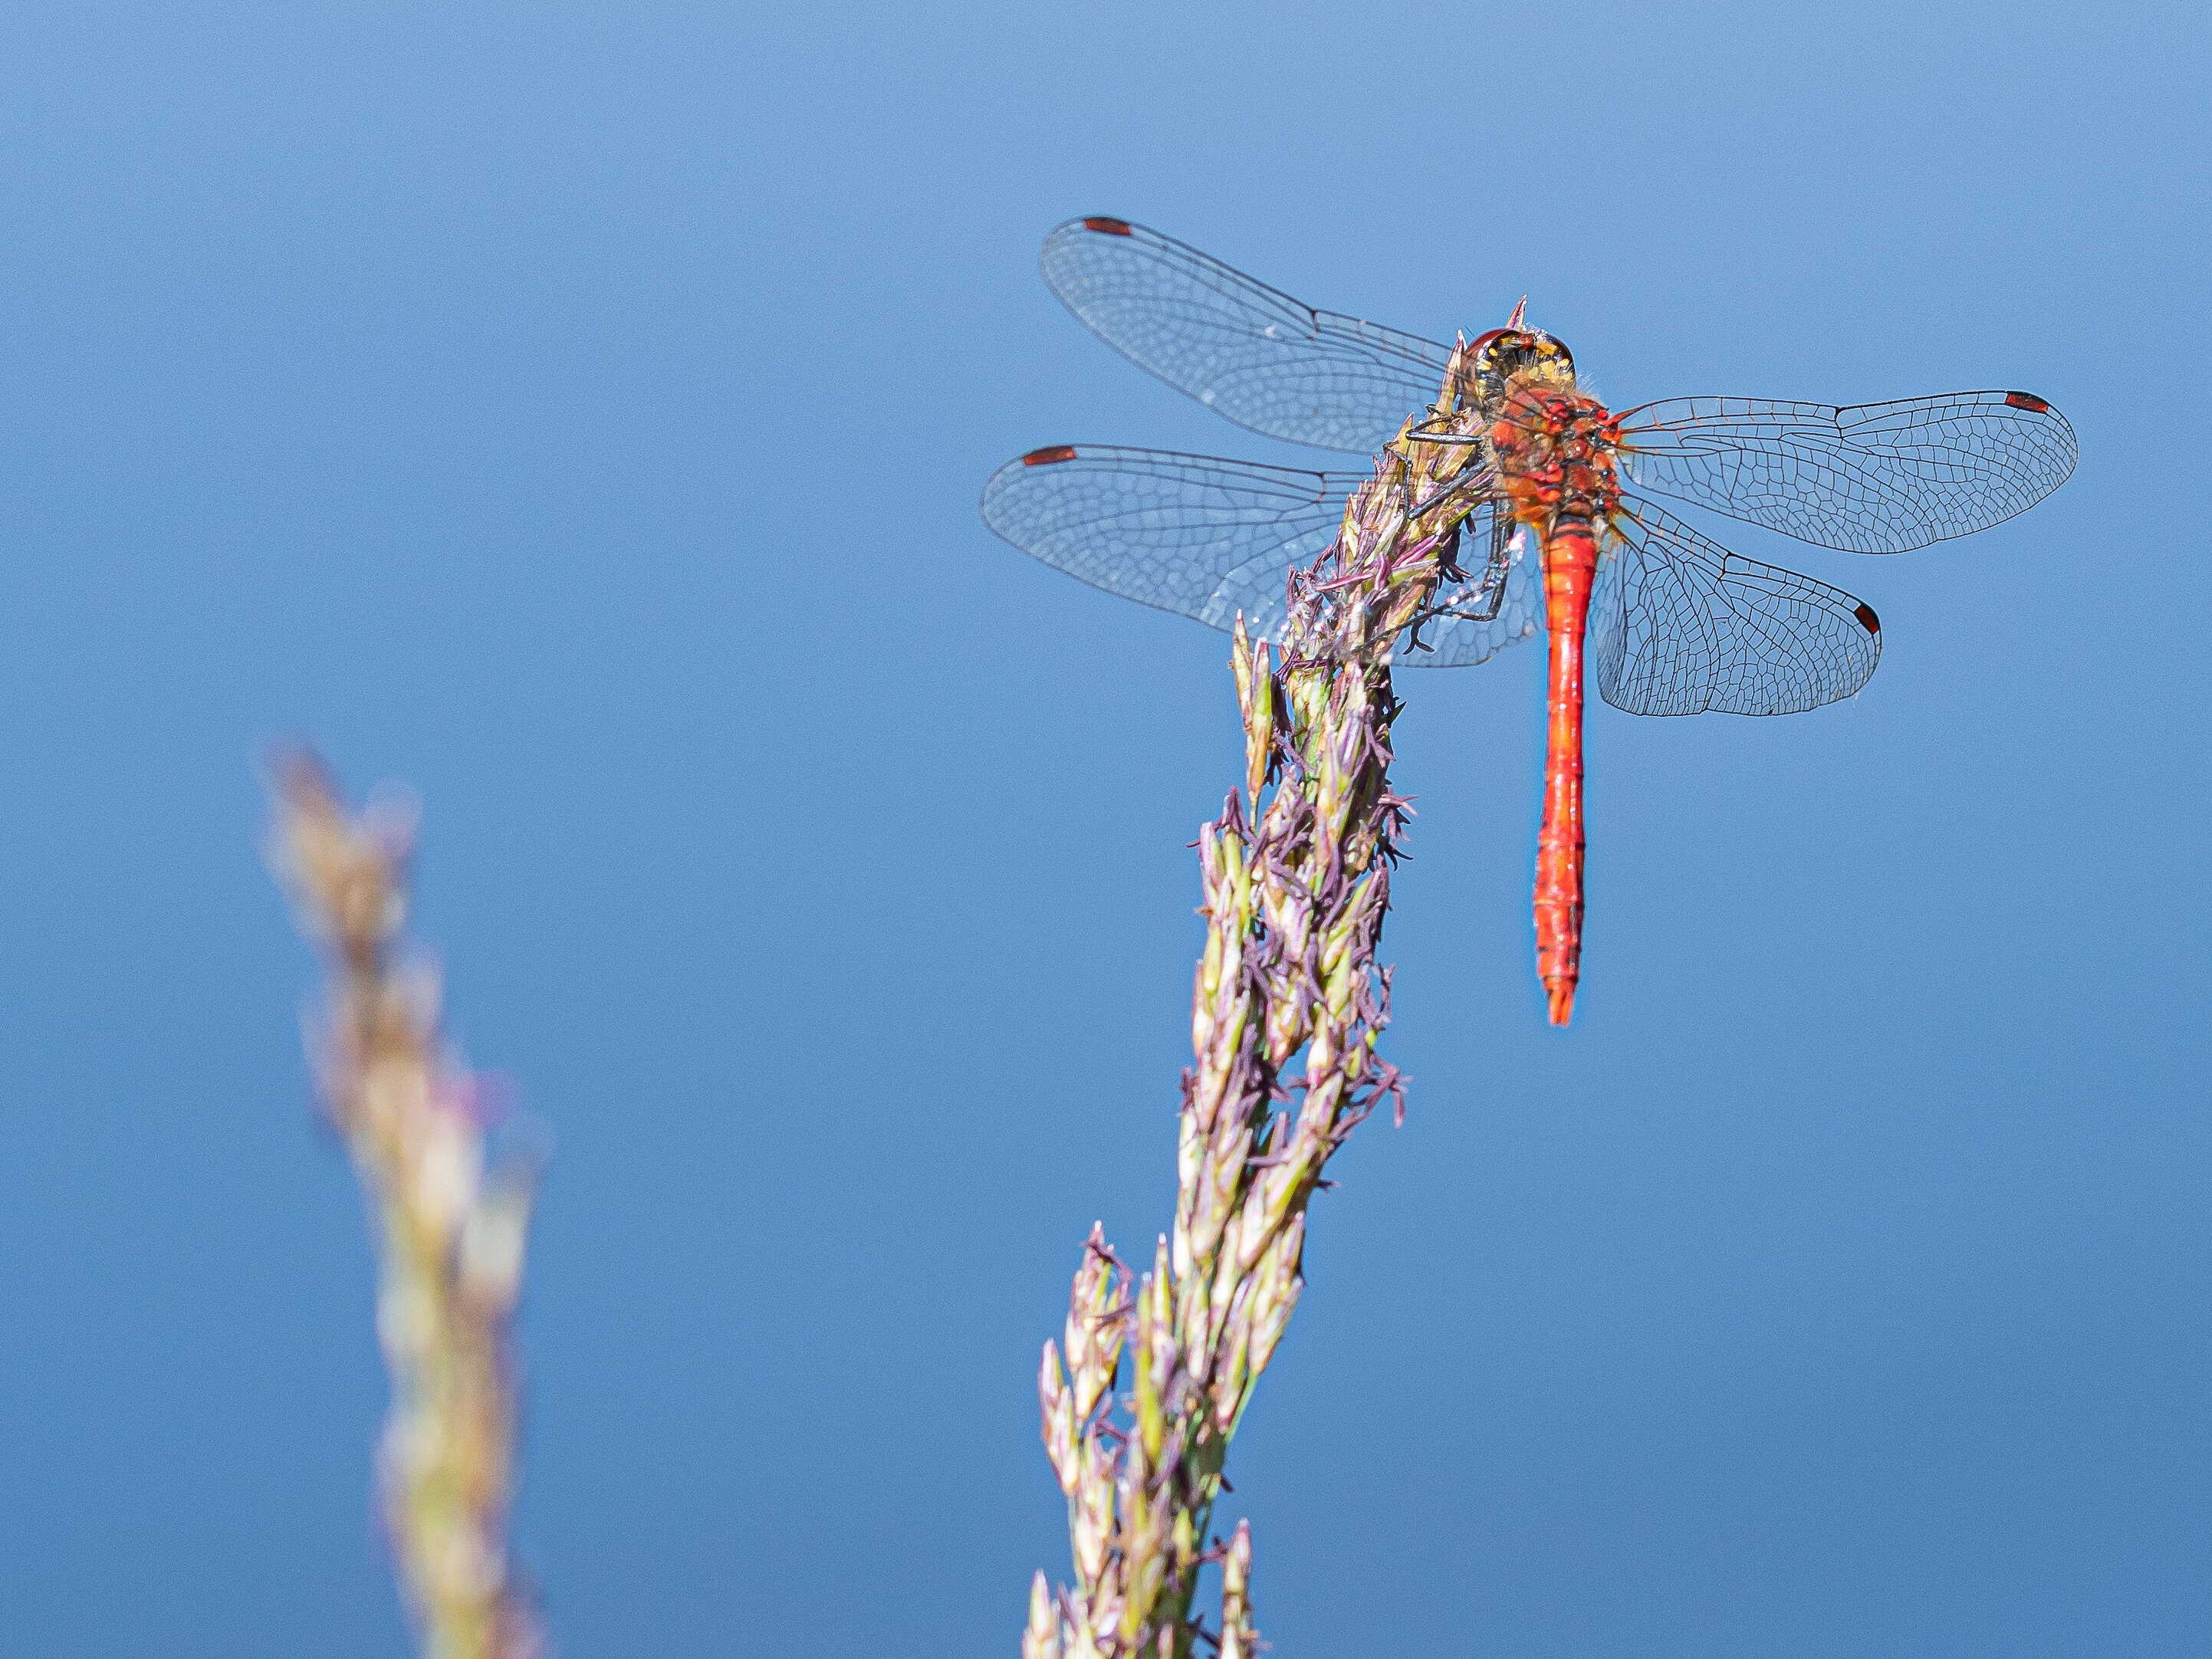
(1868, 620)
(2027, 400)
(1048, 454)
(1106, 226)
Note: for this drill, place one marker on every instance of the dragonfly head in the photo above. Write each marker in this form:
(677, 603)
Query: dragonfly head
(1508, 354)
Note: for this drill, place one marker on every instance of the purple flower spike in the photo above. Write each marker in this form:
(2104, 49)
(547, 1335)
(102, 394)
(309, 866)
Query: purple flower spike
(1288, 1006)
(451, 1230)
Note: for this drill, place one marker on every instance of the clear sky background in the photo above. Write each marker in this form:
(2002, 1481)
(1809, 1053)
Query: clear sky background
(578, 411)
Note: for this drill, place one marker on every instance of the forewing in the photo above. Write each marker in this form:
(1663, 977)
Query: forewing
(1250, 354)
(1869, 478)
(1198, 536)
(1679, 625)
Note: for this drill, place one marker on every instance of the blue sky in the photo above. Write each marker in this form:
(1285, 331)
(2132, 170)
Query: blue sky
(579, 412)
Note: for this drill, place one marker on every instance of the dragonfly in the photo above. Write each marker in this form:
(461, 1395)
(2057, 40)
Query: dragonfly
(1559, 498)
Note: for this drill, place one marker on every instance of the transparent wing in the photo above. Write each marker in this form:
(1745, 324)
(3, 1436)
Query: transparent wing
(1679, 625)
(1208, 539)
(1870, 478)
(1250, 354)
(1198, 536)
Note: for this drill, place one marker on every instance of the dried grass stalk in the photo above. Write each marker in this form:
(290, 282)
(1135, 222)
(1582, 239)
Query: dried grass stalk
(450, 1230)
(1295, 891)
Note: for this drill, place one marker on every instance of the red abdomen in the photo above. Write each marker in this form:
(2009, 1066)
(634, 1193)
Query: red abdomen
(1569, 566)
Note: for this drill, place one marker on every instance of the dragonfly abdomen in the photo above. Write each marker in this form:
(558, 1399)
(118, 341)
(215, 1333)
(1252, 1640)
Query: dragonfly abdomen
(1570, 569)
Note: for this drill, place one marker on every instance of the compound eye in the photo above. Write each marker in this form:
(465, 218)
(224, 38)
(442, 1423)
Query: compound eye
(1503, 345)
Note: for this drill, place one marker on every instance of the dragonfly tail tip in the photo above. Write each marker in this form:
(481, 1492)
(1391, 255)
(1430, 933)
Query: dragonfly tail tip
(1561, 994)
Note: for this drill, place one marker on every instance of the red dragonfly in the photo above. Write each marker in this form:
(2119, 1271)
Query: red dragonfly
(1675, 623)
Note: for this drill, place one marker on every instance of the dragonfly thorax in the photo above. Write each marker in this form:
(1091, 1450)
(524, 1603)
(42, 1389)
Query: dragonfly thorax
(1555, 453)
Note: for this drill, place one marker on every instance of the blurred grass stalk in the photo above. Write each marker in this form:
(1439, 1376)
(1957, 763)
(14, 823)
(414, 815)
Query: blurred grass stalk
(450, 1232)
(1295, 898)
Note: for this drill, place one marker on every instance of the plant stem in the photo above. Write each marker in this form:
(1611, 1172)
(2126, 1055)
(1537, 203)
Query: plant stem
(1295, 894)
(450, 1234)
